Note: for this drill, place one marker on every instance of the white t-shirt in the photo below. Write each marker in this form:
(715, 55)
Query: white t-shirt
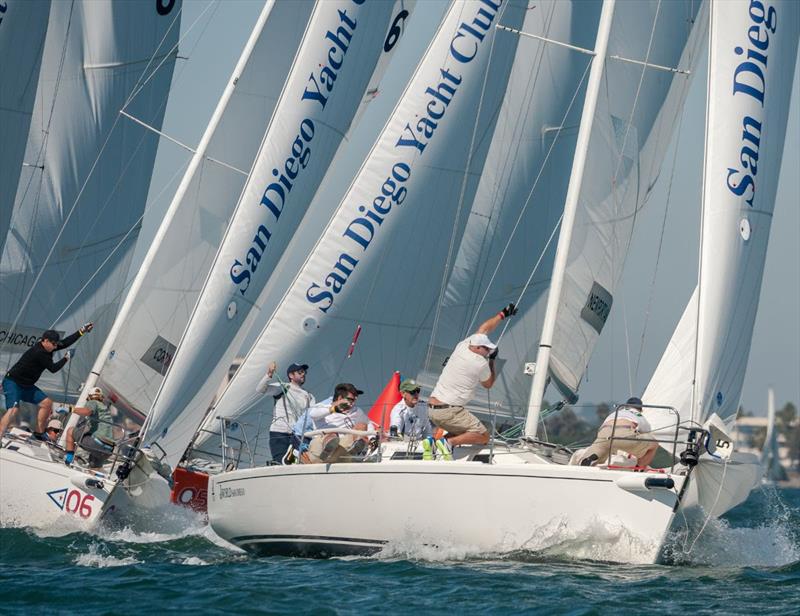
(323, 418)
(411, 421)
(289, 406)
(461, 376)
(630, 414)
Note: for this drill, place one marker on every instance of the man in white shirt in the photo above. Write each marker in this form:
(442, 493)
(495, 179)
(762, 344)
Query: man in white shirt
(291, 401)
(471, 364)
(408, 417)
(342, 412)
(631, 431)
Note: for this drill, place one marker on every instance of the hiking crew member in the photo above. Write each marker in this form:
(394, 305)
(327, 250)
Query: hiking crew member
(94, 432)
(631, 435)
(19, 383)
(471, 363)
(291, 401)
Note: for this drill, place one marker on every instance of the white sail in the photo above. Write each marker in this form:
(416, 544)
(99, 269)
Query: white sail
(140, 349)
(77, 209)
(380, 261)
(520, 196)
(342, 45)
(23, 25)
(637, 112)
(753, 48)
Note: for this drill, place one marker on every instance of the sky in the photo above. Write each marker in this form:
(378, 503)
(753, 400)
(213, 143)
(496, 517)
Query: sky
(651, 299)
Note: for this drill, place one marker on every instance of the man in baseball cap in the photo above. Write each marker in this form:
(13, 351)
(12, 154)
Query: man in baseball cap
(290, 402)
(409, 418)
(470, 365)
(19, 384)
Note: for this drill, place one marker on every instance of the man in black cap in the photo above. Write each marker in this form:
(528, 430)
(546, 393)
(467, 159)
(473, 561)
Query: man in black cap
(19, 384)
(291, 401)
(631, 435)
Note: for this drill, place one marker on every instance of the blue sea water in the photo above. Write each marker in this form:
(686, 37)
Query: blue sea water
(746, 563)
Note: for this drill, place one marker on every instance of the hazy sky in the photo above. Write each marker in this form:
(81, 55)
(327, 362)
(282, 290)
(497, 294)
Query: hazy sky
(646, 303)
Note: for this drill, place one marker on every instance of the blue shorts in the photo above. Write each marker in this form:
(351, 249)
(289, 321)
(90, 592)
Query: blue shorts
(17, 393)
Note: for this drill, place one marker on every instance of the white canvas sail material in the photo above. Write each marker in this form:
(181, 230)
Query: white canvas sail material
(23, 25)
(142, 344)
(520, 197)
(324, 90)
(753, 49)
(652, 48)
(74, 223)
(379, 263)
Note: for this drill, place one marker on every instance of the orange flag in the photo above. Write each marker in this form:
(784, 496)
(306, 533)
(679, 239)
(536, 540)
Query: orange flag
(380, 412)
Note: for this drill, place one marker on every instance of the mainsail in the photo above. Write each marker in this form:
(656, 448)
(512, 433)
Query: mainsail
(23, 25)
(78, 205)
(341, 48)
(380, 261)
(753, 49)
(652, 47)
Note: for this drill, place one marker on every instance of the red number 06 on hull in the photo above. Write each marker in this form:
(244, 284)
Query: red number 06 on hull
(79, 503)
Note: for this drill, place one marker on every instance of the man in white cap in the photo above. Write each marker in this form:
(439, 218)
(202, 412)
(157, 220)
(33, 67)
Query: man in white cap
(291, 401)
(471, 363)
(94, 432)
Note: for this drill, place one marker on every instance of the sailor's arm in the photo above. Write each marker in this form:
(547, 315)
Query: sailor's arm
(489, 325)
(73, 338)
(492, 377)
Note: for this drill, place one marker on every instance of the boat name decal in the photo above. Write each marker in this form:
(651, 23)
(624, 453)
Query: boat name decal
(317, 91)
(414, 138)
(749, 79)
(231, 492)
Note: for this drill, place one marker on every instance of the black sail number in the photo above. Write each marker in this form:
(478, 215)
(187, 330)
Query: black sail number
(164, 7)
(395, 31)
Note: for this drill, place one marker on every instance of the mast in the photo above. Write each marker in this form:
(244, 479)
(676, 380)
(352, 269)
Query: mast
(568, 221)
(197, 158)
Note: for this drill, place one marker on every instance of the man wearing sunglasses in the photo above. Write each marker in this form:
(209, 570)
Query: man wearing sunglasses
(53, 430)
(337, 413)
(408, 417)
(470, 365)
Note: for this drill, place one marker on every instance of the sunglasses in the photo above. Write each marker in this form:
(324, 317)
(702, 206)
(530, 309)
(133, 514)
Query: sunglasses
(56, 430)
(414, 392)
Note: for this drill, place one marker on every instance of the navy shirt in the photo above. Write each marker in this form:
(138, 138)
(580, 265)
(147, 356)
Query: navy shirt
(36, 360)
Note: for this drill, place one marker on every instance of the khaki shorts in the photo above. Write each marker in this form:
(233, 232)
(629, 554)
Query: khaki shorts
(626, 438)
(456, 420)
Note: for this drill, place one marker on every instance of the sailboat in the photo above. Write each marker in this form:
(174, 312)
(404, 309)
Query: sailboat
(518, 493)
(78, 195)
(306, 74)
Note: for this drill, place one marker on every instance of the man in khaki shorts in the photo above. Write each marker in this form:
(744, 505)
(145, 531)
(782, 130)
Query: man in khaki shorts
(471, 363)
(631, 434)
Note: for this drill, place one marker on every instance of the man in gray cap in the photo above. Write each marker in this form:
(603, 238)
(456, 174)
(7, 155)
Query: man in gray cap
(631, 434)
(19, 384)
(291, 401)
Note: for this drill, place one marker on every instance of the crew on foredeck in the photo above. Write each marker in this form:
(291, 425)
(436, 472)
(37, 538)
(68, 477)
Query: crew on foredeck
(19, 384)
(94, 431)
(631, 434)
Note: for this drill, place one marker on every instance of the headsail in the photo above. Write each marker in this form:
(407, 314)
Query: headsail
(753, 49)
(77, 209)
(342, 46)
(381, 259)
(23, 25)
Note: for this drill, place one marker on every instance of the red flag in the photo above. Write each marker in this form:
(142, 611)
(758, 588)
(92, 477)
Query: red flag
(380, 412)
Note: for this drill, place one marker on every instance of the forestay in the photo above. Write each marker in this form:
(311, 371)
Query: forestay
(753, 49)
(380, 261)
(75, 218)
(23, 25)
(342, 46)
(157, 308)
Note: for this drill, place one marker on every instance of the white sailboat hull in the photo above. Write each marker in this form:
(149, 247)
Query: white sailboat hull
(326, 510)
(37, 490)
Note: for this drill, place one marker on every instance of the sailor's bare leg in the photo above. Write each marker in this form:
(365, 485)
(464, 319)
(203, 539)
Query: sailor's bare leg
(45, 410)
(70, 439)
(647, 458)
(6, 419)
(469, 438)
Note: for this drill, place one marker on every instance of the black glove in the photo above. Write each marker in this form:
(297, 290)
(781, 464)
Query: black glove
(509, 310)
(493, 354)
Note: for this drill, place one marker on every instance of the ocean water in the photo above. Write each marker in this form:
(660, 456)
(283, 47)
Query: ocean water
(746, 563)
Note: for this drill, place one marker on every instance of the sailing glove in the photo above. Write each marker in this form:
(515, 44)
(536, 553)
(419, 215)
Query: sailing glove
(493, 354)
(85, 329)
(508, 311)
